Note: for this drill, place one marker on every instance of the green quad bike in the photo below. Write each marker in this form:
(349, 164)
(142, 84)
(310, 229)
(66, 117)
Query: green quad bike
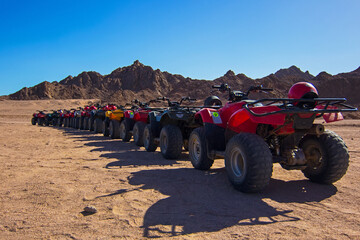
(170, 128)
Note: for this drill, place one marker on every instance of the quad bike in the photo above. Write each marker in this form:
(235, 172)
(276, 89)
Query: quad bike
(170, 128)
(55, 117)
(99, 117)
(51, 118)
(135, 121)
(85, 116)
(251, 135)
(66, 118)
(90, 118)
(115, 118)
(72, 118)
(116, 114)
(61, 119)
(38, 117)
(76, 121)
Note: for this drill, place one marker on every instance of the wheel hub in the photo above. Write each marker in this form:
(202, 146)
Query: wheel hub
(237, 163)
(195, 148)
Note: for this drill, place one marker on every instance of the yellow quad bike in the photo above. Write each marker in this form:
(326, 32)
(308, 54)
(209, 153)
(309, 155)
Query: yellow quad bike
(111, 123)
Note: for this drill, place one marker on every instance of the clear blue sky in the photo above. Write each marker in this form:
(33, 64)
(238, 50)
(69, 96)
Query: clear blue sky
(51, 39)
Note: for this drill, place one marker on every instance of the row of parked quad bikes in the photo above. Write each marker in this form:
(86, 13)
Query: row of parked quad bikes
(250, 135)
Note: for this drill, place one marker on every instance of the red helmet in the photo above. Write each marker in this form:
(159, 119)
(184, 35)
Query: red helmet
(302, 90)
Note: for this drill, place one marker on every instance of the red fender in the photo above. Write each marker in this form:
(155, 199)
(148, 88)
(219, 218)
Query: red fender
(142, 116)
(331, 117)
(243, 121)
(129, 114)
(210, 115)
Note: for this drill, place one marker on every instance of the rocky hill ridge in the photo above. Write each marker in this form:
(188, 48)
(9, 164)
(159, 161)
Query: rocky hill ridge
(143, 82)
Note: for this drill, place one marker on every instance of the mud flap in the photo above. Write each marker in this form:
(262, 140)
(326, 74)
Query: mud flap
(155, 124)
(215, 137)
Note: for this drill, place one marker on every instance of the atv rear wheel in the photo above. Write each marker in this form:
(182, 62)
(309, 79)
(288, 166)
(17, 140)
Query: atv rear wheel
(77, 123)
(114, 129)
(71, 122)
(86, 123)
(81, 123)
(248, 162)
(198, 150)
(171, 141)
(138, 132)
(40, 121)
(97, 125)
(327, 158)
(91, 124)
(105, 127)
(149, 140)
(33, 121)
(66, 122)
(60, 122)
(54, 122)
(125, 134)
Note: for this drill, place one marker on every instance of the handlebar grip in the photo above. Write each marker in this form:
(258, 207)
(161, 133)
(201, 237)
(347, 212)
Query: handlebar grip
(267, 89)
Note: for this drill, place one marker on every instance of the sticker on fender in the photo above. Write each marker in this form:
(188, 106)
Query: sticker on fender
(131, 115)
(216, 117)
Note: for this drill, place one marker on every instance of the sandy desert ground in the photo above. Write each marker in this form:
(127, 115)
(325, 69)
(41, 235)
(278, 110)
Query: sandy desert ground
(48, 175)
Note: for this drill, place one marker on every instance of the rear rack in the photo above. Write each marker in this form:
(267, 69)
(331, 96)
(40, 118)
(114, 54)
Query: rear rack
(288, 106)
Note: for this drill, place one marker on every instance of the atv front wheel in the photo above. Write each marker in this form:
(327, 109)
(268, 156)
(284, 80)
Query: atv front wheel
(138, 132)
(40, 121)
(33, 121)
(149, 140)
(66, 122)
(59, 123)
(105, 128)
(77, 123)
(86, 123)
(125, 134)
(248, 162)
(91, 124)
(54, 122)
(97, 125)
(327, 158)
(198, 150)
(171, 141)
(114, 129)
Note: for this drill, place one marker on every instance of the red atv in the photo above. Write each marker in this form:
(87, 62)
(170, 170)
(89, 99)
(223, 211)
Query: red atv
(251, 135)
(66, 118)
(135, 120)
(86, 117)
(38, 117)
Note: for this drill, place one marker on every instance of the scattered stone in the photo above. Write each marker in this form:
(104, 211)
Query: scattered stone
(90, 209)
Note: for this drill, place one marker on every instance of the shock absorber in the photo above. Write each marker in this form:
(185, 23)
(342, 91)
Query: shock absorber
(276, 145)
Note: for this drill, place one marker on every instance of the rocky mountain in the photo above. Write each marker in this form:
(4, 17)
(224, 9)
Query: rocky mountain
(143, 82)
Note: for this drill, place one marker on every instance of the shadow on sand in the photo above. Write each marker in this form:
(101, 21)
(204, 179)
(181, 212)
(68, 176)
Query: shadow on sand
(201, 201)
